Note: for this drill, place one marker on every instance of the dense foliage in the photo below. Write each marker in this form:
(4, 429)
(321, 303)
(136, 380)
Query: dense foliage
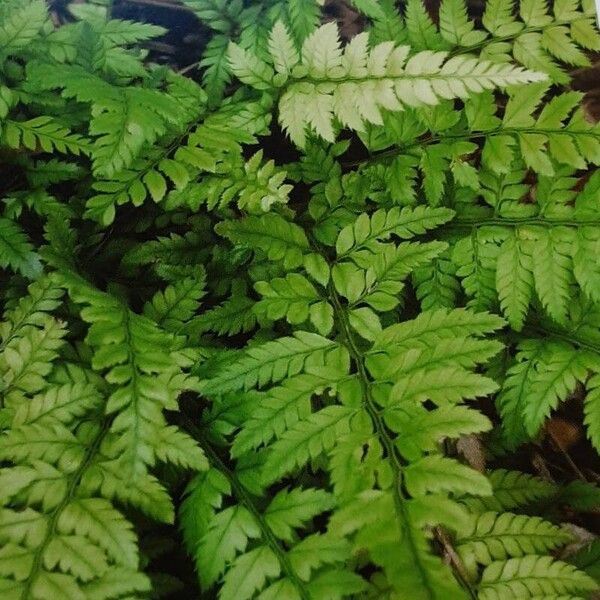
(272, 306)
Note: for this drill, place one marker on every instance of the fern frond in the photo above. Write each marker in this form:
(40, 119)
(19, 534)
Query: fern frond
(174, 307)
(272, 362)
(422, 32)
(220, 15)
(216, 75)
(282, 407)
(456, 27)
(16, 251)
(45, 134)
(31, 310)
(404, 223)
(538, 39)
(382, 78)
(27, 358)
(533, 575)
(544, 374)
(290, 509)
(20, 24)
(494, 536)
(230, 318)
(303, 16)
(277, 237)
(142, 115)
(306, 440)
(514, 279)
(129, 349)
(512, 489)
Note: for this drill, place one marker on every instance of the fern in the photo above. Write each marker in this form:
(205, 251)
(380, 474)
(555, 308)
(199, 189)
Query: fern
(320, 358)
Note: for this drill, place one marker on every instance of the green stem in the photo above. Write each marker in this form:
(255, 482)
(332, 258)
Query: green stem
(244, 497)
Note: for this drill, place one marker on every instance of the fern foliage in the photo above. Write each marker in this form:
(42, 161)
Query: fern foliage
(303, 319)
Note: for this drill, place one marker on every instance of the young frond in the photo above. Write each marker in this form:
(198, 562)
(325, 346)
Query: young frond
(322, 85)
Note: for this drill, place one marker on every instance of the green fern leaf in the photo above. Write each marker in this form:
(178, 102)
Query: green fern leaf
(552, 270)
(545, 374)
(272, 361)
(591, 409)
(63, 403)
(494, 536)
(532, 575)
(228, 534)
(27, 359)
(16, 250)
(514, 279)
(43, 133)
(20, 24)
(498, 18)
(175, 306)
(282, 407)
(249, 573)
(404, 223)
(512, 489)
(291, 509)
(434, 474)
(422, 32)
(304, 17)
(455, 25)
(317, 550)
(307, 439)
(280, 239)
(430, 327)
(421, 432)
(232, 317)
